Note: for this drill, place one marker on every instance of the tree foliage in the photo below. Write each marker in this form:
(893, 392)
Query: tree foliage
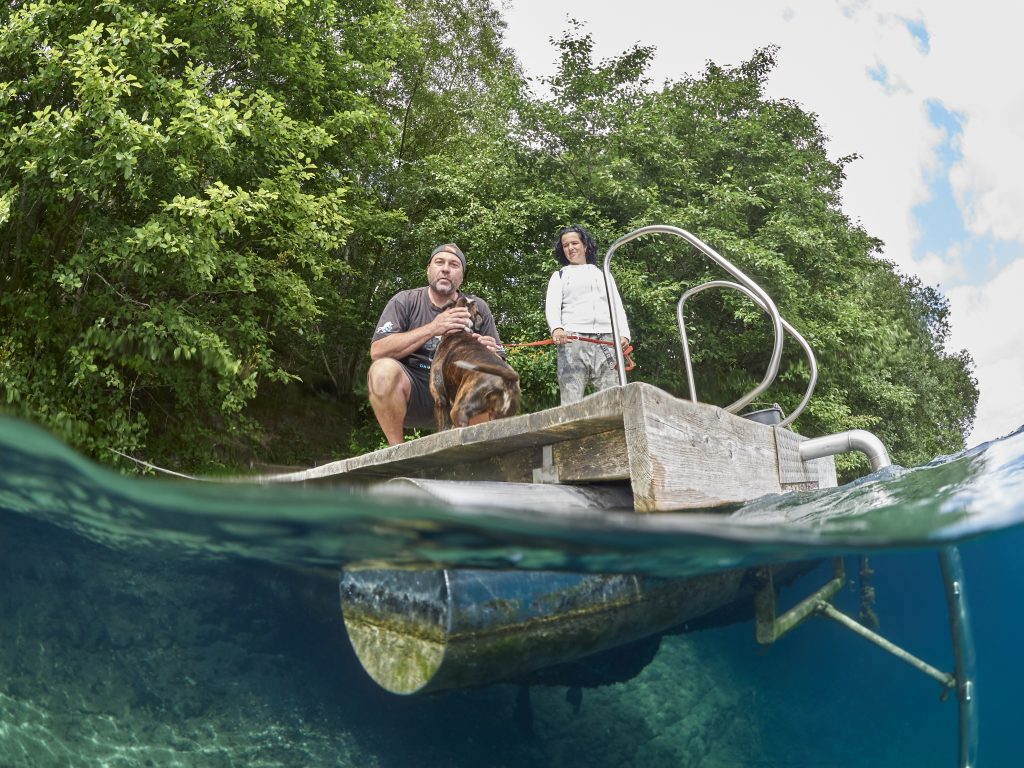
(206, 206)
(175, 179)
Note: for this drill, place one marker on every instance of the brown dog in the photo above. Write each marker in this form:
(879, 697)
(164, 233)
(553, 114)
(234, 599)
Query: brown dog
(467, 379)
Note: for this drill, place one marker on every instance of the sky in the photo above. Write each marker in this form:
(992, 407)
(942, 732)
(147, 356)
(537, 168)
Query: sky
(929, 94)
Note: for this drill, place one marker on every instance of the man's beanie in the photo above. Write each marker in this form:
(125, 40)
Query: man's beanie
(450, 247)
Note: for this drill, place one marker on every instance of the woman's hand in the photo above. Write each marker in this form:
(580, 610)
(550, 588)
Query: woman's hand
(488, 341)
(558, 336)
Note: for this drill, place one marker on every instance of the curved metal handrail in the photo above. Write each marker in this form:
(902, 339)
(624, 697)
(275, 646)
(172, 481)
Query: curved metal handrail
(711, 253)
(762, 386)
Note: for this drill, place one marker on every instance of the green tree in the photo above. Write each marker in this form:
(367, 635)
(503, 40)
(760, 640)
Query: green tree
(174, 183)
(452, 171)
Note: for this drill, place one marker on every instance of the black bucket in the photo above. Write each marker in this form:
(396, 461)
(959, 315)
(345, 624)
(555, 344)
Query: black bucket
(771, 416)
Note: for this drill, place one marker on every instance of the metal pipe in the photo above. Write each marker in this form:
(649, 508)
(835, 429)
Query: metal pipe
(764, 384)
(963, 653)
(947, 680)
(707, 250)
(845, 442)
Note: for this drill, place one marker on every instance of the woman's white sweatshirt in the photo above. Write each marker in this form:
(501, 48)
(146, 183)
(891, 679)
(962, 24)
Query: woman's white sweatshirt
(578, 302)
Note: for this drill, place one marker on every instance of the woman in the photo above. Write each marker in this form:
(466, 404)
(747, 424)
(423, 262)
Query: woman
(577, 305)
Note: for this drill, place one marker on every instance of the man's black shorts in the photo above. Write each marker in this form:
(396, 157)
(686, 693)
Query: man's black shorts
(420, 412)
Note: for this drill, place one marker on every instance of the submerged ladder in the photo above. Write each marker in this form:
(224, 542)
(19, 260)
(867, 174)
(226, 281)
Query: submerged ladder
(770, 626)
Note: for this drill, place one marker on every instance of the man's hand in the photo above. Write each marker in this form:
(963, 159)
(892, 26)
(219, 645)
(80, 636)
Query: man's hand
(558, 336)
(451, 320)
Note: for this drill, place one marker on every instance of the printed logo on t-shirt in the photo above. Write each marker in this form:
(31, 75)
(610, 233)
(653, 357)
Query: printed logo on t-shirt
(388, 327)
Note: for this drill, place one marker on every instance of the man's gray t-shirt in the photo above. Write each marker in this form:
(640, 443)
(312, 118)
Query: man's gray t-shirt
(413, 309)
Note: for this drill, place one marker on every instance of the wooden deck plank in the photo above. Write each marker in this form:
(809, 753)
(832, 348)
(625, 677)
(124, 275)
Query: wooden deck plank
(675, 454)
(596, 414)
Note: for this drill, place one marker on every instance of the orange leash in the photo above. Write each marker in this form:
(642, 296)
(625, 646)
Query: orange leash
(544, 342)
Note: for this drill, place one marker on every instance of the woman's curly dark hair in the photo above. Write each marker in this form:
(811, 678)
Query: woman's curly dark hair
(588, 242)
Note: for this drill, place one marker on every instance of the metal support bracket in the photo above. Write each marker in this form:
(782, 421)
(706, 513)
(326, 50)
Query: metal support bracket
(770, 627)
(947, 680)
(547, 472)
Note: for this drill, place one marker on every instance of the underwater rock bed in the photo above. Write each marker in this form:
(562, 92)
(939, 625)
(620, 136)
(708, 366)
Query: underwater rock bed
(155, 659)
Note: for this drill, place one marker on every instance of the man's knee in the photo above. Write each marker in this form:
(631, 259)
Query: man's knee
(389, 386)
(386, 379)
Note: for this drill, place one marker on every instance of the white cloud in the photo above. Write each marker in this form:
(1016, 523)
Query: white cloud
(935, 269)
(976, 51)
(825, 60)
(986, 320)
(828, 52)
(990, 194)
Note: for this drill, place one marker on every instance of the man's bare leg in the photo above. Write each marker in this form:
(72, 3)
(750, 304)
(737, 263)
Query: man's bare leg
(389, 397)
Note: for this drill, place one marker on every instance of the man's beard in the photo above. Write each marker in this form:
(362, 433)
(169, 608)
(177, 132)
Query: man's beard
(445, 290)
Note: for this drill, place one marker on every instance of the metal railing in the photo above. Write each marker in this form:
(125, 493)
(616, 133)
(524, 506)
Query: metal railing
(750, 396)
(744, 284)
(964, 675)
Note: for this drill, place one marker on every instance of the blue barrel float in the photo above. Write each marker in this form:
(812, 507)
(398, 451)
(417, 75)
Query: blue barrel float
(419, 631)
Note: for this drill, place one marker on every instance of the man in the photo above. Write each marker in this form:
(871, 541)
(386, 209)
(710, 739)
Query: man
(407, 334)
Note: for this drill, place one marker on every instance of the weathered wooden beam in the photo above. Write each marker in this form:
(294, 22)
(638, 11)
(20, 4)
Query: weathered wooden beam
(796, 474)
(675, 454)
(594, 458)
(686, 455)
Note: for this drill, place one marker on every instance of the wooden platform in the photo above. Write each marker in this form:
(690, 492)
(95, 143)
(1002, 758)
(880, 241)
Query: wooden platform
(675, 454)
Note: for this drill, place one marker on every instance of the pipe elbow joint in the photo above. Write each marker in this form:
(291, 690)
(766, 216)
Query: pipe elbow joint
(846, 442)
